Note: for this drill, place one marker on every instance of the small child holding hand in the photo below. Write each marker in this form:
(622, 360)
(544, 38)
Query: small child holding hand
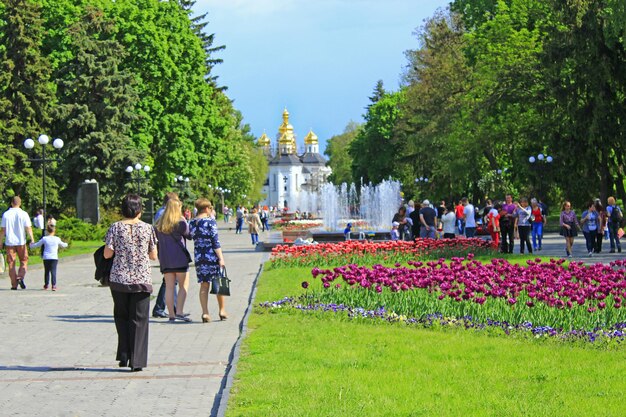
(50, 255)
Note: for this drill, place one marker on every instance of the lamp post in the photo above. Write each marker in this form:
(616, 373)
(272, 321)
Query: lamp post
(540, 163)
(421, 180)
(182, 183)
(221, 192)
(43, 141)
(138, 178)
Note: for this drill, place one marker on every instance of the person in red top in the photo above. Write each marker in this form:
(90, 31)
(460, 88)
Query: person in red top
(538, 220)
(460, 217)
(493, 224)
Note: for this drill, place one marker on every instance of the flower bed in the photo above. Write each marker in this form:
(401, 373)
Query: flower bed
(296, 225)
(357, 251)
(573, 297)
(616, 332)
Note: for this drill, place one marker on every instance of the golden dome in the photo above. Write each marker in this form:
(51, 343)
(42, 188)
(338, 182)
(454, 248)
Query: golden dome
(264, 140)
(285, 131)
(310, 138)
(285, 139)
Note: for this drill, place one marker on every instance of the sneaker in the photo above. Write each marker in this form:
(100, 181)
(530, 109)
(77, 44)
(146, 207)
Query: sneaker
(160, 315)
(590, 254)
(539, 248)
(45, 287)
(20, 282)
(54, 288)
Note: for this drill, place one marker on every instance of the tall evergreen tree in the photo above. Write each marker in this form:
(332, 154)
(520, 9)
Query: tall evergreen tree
(96, 107)
(25, 97)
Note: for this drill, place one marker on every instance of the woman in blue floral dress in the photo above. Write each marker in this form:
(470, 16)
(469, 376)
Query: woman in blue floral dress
(208, 256)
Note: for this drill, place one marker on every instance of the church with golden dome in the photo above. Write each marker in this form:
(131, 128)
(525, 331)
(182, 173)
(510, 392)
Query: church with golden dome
(293, 177)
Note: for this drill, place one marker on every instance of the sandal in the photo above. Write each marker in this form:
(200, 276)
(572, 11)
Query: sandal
(206, 318)
(184, 318)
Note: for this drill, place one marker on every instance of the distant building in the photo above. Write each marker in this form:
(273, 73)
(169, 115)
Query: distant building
(292, 175)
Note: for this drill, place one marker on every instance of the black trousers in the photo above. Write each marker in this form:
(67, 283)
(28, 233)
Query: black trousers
(507, 231)
(524, 238)
(598, 245)
(131, 311)
(50, 270)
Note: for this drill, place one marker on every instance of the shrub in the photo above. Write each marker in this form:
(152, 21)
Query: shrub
(71, 228)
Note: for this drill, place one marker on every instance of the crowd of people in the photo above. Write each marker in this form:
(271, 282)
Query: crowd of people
(511, 220)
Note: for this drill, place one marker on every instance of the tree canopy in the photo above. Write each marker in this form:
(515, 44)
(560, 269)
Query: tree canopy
(491, 83)
(121, 82)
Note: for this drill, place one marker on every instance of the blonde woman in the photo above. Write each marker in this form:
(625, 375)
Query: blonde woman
(172, 230)
(209, 259)
(254, 224)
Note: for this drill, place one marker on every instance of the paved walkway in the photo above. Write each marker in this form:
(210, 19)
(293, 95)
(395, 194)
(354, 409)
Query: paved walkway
(554, 246)
(57, 355)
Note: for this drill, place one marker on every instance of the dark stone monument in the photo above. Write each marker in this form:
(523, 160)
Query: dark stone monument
(88, 202)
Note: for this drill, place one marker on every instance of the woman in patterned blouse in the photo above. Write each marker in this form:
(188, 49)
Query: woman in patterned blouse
(134, 244)
(209, 260)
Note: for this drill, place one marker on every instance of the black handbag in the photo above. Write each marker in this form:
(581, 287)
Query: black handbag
(220, 285)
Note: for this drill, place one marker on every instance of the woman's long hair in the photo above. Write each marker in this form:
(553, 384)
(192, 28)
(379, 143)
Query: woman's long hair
(170, 218)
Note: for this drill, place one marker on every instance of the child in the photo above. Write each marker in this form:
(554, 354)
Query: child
(395, 235)
(50, 255)
(347, 230)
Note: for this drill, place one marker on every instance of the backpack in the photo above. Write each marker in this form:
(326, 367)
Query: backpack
(616, 215)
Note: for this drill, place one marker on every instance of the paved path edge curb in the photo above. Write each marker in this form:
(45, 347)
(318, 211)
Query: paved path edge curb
(221, 401)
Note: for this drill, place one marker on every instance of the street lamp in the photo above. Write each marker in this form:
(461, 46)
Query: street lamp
(43, 141)
(138, 178)
(421, 180)
(540, 163)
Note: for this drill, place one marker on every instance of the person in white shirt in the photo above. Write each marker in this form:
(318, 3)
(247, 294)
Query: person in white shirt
(469, 215)
(15, 224)
(448, 221)
(50, 256)
(38, 221)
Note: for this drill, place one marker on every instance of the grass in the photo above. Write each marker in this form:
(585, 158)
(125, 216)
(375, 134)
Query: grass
(76, 248)
(297, 364)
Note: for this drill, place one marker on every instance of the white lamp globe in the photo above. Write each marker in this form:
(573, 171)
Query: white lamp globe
(540, 157)
(29, 144)
(549, 159)
(499, 171)
(425, 179)
(43, 139)
(129, 169)
(532, 159)
(146, 168)
(137, 166)
(187, 179)
(58, 143)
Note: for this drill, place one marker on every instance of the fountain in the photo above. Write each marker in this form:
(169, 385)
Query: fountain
(369, 212)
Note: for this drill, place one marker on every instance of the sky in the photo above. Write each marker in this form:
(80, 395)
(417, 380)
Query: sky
(320, 59)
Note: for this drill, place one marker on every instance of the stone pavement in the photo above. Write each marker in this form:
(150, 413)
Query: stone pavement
(57, 355)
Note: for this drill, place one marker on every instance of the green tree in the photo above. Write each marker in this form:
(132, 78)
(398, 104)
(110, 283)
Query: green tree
(25, 98)
(373, 150)
(338, 152)
(96, 109)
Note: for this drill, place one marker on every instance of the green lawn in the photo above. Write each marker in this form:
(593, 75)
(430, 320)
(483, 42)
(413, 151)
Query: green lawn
(315, 364)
